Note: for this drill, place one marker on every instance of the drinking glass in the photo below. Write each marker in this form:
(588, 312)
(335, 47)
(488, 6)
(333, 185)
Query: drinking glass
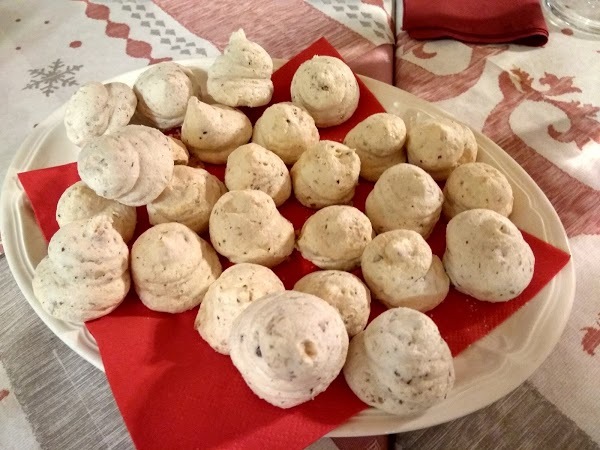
(580, 14)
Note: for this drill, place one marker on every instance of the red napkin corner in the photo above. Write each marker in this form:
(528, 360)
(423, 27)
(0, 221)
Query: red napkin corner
(477, 21)
(175, 392)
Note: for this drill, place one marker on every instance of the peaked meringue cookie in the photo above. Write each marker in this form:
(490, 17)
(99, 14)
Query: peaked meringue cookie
(379, 143)
(163, 91)
(241, 76)
(227, 297)
(172, 267)
(245, 226)
(400, 364)
(85, 275)
(79, 202)
(212, 132)
(179, 151)
(284, 360)
(96, 109)
(326, 87)
(286, 130)
(132, 165)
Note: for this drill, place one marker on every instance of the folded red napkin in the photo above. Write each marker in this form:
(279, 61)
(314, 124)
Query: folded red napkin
(477, 21)
(175, 392)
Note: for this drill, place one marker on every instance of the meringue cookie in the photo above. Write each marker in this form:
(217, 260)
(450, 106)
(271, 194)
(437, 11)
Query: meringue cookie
(241, 76)
(163, 91)
(188, 199)
(439, 145)
(245, 226)
(172, 267)
(212, 132)
(486, 256)
(179, 151)
(79, 202)
(97, 109)
(477, 185)
(326, 174)
(335, 237)
(85, 275)
(286, 130)
(132, 165)
(227, 297)
(254, 167)
(326, 87)
(405, 197)
(400, 270)
(400, 364)
(379, 143)
(284, 360)
(342, 290)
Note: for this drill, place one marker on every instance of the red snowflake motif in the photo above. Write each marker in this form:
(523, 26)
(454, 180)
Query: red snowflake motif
(591, 339)
(3, 394)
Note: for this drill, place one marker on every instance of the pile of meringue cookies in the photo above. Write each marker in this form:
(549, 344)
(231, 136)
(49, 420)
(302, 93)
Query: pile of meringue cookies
(288, 345)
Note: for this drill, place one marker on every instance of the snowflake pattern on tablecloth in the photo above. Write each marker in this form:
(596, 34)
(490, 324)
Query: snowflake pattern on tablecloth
(49, 79)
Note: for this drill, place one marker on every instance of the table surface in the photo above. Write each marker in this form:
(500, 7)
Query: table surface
(542, 105)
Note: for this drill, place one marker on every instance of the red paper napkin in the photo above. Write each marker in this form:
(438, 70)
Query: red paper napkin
(487, 21)
(175, 392)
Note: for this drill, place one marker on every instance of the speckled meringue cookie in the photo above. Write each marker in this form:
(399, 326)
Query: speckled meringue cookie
(342, 290)
(439, 145)
(284, 360)
(172, 267)
(241, 76)
(96, 109)
(335, 237)
(400, 270)
(379, 143)
(400, 364)
(405, 197)
(79, 202)
(326, 174)
(486, 256)
(326, 87)
(179, 151)
(163, 91)
(212, 132)
(477, 185)
(132, 165)
(245, 226)
(188, 199)
(86, 272)
(254, 167)
(286, 130)
(227, 297)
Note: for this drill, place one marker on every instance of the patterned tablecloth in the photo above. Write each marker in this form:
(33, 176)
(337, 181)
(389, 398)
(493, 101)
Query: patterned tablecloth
(542, 105)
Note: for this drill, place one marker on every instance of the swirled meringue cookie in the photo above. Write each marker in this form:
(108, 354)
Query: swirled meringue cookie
(326, 174)
(400, 270)
(379, 143)
(163, 91)
(86, 272)
(132, 165)
(342, 290)
(79, 202)
(439, 145)
(286, 130)
(96, 109)
(241, 76)
(284, 360)
(188, 199)
(245, 226)
(227, 297)
(400, 364)
(326, 87)
(486, 256)
(254, 167)
(405, 197)
(477, 185)
(212, 132)
(172, 267)
(179, 151)
(335, 237)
